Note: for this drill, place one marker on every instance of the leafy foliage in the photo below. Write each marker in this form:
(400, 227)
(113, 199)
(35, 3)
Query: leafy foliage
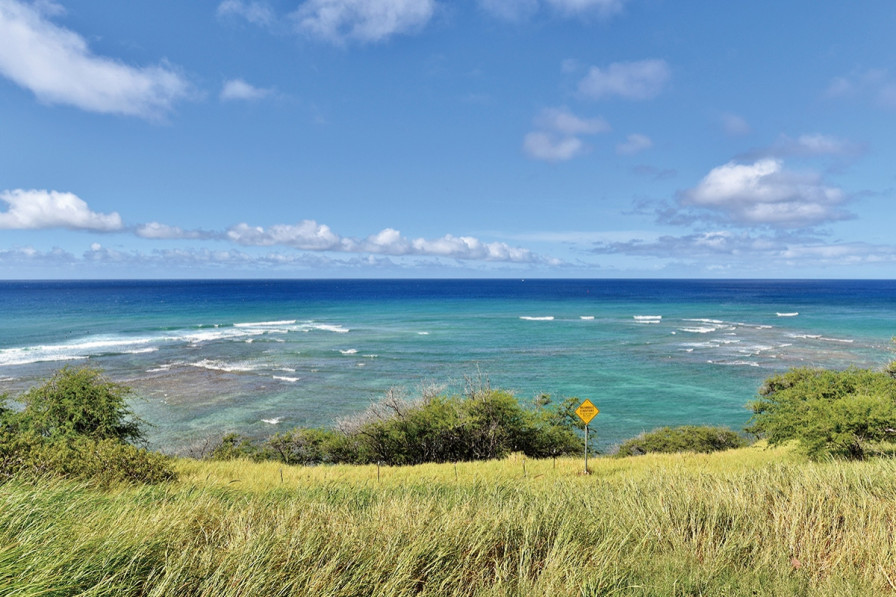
(688, 438)
(842, 413)
(82, 403)
(77, 425)
(482, 425)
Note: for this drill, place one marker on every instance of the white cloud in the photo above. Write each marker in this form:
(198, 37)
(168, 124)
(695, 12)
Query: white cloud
(35, 209)
(57, 66)
(257, 13)
(748, 252)
(307, 235)
(238, 89)
(311, 236)
(763, 193)
(734, 125)
(338, 21)
(157, 231)
(634, 143)
(639, 80)
(557, 135)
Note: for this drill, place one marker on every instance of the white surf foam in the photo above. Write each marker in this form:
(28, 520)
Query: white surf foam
(794, 314)
(699, 330)
(265, 324)
(586, 317)
(349, 351)
(72, 351)
(287, 378)
(542, 318)
(222, 366)
(648, 318)
(273, 421)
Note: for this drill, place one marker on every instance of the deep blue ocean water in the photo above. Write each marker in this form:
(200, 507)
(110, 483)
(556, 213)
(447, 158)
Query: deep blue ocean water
(209, 357)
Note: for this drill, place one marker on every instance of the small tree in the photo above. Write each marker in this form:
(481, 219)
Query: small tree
(841, 413)
(80, 402)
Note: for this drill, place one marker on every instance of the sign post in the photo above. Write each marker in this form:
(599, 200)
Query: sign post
(586, 412)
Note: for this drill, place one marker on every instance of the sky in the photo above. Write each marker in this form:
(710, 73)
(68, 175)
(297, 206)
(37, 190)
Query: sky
(428, 138)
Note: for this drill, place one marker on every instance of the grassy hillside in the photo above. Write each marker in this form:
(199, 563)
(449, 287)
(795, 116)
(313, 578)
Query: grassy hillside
(745, 522)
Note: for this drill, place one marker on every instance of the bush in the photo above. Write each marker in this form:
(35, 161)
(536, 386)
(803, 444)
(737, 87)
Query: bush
(841, 413)
(101, 461)
(77, 425)
(233, 446)
(688, 438)
(309, 446)
(482, 425)
(80, 402)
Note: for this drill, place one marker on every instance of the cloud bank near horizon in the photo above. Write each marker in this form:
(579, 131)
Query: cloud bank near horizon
(40, 209)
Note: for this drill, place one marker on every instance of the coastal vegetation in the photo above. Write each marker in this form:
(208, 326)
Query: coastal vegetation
(687, 438)
(77, 425)
(481, 425)
(850, 414)
(800, 512)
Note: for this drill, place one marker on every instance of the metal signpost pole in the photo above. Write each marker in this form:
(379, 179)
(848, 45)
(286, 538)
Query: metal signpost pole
(586, 449)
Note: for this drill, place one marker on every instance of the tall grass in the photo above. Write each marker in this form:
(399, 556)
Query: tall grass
(745, 522)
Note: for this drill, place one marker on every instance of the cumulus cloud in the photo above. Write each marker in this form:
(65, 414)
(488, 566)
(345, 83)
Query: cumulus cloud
(339, 21)
(634, 143)
(307, 235)
(35, 209)
(311, 236)
(238, 89)
(764, 193)
(557, 135)
(157, 231)
(257, 13)
(639, 80)
(57, 65)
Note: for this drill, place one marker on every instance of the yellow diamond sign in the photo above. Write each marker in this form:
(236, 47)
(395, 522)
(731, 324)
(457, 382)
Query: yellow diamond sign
(586, 411)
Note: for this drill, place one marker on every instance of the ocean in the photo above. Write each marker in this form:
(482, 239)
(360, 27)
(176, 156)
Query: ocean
(259, 357)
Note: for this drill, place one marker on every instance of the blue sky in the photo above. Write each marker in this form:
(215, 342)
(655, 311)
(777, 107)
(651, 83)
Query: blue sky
(427, 138)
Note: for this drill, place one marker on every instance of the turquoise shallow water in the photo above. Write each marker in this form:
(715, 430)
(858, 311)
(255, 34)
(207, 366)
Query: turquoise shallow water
(208, 357)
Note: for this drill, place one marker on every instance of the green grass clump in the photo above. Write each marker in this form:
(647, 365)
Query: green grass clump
(751, 521)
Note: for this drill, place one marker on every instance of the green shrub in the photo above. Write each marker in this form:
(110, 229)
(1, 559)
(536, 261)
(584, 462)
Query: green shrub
(104, 461)
(77, 425)
(234, 446)
(80, 402)
(688, 438)
(483, 425)
(847, 413)
(310, 446)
